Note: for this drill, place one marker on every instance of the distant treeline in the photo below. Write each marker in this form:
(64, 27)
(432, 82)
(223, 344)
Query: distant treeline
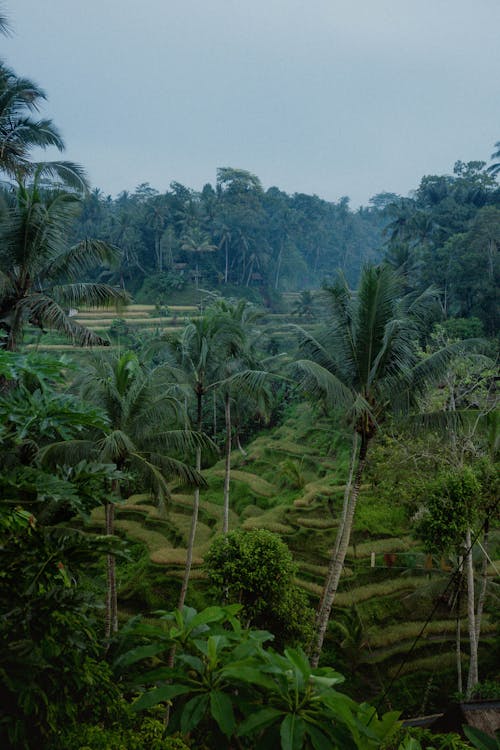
(238, 235)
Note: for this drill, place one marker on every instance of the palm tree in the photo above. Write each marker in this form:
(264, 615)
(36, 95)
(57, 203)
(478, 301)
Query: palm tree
(240, 379)
(494, 168)
(4, 24)
(199, 351)
(20, 132)
(365, 361)
(40, 274)
(144, 413)
(197, 242)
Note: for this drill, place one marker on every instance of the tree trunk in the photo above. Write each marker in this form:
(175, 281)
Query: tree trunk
(214, 403)
(240, 447)
(484, 582)
(340, 530)
(194, 517)
(111, 617)
(227, 472)
(472, 678)
(458, 642)
(337, 563)
(278, 268)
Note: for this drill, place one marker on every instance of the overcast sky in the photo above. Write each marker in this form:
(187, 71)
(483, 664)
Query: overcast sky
(333, 97)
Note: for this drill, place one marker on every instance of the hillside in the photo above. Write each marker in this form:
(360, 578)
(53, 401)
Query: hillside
(291, 481)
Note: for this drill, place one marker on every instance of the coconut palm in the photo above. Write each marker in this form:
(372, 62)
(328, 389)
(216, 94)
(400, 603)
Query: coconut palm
(4, 24)
(144, 413)
(366, 362)
(240, 379)
(197, 243)
(20, 98)
(199, 350)
(40, 275)
(494, 168)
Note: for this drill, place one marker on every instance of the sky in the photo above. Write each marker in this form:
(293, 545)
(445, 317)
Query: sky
(332, 97)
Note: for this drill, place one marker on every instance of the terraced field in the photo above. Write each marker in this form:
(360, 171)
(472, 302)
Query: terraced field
(387, 578)
(138, 319)
(291, 481)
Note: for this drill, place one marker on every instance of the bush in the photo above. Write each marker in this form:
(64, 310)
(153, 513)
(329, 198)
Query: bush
(255, 569)
(156, 289)
(149, 734)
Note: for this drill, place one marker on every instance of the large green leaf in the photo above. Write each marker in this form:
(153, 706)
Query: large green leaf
(292, 732)
(210, 614)
(222, 711)
(158, 695)
(191, 661)
(300, 662)
(245, 673)
(480, 740)
(259, 720)
(193, 712)
(139, 653)
(319, 740)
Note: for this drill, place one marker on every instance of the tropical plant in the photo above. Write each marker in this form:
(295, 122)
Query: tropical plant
(145, 434)
(197, 243)
(366, 362)
(199, 350)
(255, 569)
(20, 98)
(481, 740)
(495, 167)
(238, 380)
(47, 629)
(40, 276)
(230, 689)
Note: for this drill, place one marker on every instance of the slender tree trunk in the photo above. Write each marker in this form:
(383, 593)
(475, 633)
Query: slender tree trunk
(458, 644)
(14, 335)
(472, 678)
(340, 530)
(111, 617)
(214, 401)
(484, 582)
(339, 553)
(194, 517)
(227, 472)
(240, 447)
(226, 268)
(249, 276)
(278, 268)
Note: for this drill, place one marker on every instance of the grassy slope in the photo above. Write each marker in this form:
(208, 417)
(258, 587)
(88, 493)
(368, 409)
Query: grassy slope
(392, 602)
(291, 481)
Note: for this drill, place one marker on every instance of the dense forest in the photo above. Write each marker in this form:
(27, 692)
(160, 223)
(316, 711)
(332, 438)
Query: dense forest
(249, 459)
(236, 236)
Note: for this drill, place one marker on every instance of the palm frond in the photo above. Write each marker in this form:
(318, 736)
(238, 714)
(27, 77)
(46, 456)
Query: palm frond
(318, 381)
(69, 452)
(90, 295)
(182, 441)
(172, 467)
(66, 174)
(115, 447)
(433, 368)
(376, 297)
(74, 261)
(251, 382)
(43, 311)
